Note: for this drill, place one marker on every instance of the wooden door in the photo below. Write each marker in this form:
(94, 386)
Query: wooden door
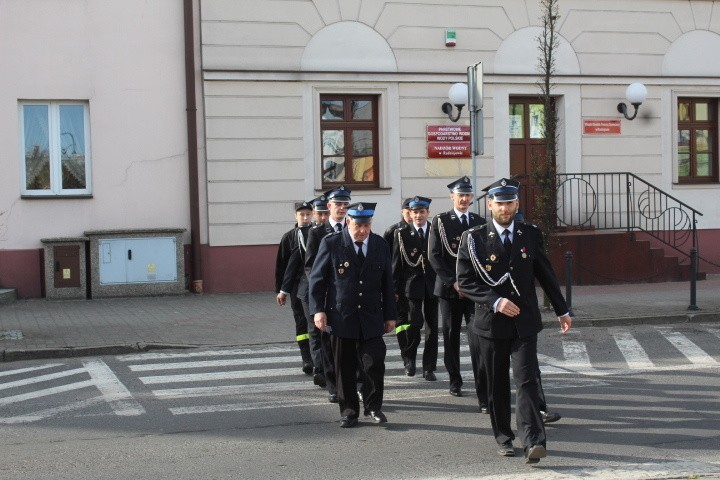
(527, 146)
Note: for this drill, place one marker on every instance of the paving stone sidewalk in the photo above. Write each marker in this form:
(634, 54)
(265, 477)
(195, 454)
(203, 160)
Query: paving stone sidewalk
(41, 328)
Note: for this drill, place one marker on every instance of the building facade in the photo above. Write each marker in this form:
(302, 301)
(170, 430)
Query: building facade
(299, 96)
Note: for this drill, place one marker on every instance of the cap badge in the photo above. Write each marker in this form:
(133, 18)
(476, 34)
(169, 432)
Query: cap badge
(360, 208)
(503, 182)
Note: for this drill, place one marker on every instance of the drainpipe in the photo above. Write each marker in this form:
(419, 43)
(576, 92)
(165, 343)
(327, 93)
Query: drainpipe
(191, 110)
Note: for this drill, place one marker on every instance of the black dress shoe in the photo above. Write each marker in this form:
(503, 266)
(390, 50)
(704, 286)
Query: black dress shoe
(456, 390)
(534, 453)
(333, 398)
(410, 368)
(549, 417)
(484, 409)
(376, 416)
(429, 375)
(319, 380)
(506, 449)
(348, 422)
(307, 368)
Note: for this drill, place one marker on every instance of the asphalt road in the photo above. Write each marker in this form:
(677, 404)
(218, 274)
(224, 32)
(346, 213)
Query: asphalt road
(637, 402)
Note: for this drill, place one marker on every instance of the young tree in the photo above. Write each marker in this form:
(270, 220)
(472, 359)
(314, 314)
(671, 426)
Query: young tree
(543, 170)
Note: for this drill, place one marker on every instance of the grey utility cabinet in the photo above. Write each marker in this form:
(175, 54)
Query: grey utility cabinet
(136, 262)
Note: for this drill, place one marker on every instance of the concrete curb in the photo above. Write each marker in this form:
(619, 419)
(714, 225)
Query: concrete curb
(11, 355)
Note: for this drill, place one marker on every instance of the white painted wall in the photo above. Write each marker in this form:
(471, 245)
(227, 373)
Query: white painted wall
(125, 57)
(278, 53)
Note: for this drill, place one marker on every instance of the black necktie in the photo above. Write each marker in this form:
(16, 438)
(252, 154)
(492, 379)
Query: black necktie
(421, 233)
(463, 220)
(338, 227)
(360, 254)
(507, 243)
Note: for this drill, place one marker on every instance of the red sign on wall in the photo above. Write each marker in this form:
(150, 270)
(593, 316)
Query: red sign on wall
(448, 149)
(601, 127)
(448, 133)
(448, 141)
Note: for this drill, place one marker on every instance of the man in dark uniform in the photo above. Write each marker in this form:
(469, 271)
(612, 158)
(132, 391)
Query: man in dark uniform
(443, 244)
(403, 322)
(338, 200)
(498, 264)
(352, 298)
(295, 278)
(288, 243)
(414, 278)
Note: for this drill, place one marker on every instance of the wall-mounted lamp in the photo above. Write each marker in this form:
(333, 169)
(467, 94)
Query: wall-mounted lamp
(458, 95)
(636, 94)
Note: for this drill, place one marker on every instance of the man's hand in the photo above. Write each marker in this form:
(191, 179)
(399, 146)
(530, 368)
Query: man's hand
(281, 299)
(456, 286)
(506, 307)
(565, 323)
(389, 326)
(320, 319)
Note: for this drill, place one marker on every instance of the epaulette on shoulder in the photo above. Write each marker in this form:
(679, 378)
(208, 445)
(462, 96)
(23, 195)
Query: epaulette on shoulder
(477, 228)
(444, 214)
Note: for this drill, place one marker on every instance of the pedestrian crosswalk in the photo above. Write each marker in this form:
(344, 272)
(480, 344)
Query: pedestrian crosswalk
(269, 377)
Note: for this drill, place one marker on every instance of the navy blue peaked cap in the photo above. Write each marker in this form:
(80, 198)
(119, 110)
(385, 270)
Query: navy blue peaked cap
(461, 185)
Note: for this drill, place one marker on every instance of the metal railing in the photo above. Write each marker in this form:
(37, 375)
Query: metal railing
(615, 201)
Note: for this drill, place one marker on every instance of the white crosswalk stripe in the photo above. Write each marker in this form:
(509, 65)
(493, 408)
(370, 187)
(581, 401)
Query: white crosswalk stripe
(253, 378)
(634, 354)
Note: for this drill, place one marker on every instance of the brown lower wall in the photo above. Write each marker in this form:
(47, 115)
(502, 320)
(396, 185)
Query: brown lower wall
(252, 268)
(239, 269)
(23, 270)
(708, 247)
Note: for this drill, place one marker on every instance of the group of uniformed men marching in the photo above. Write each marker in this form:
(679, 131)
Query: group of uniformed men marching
(348, 287)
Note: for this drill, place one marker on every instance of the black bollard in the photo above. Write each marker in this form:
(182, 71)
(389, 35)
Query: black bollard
(693, 280)
(568, 281)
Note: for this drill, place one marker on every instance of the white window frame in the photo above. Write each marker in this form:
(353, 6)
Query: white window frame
(55, 189)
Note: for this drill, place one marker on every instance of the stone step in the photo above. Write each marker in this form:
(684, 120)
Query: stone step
(7, 296)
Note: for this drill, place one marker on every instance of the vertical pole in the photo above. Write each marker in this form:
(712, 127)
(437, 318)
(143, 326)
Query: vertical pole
(693, 280)
(568, 281)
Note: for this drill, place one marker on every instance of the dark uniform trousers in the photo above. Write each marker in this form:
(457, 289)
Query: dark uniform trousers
(414, 279)
(320, 344)
(403, 305)
(358, 298)
(481, 258)
(452, 308)
(352, 355)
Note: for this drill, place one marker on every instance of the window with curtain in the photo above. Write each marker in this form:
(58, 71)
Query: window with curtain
(349, 139)
(697, 133)
(55, 148)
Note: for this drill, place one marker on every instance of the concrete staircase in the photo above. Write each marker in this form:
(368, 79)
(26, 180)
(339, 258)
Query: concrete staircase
(609, 257)
(7, 296)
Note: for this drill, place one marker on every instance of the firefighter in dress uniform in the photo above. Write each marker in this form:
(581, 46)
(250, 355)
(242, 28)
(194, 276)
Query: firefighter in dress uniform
(295, 276)
(338, 200)
(414, 279)
(445, 233)
(403, 321)
(498, 264)
(291, 241)
(353, 300)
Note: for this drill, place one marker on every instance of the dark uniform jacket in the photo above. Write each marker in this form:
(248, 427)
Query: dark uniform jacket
(314, 236)
(413, 277)
(445, 233)
(288, 242)
(389, 234)
(294, 280)
(526, 263)
(357, 299)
